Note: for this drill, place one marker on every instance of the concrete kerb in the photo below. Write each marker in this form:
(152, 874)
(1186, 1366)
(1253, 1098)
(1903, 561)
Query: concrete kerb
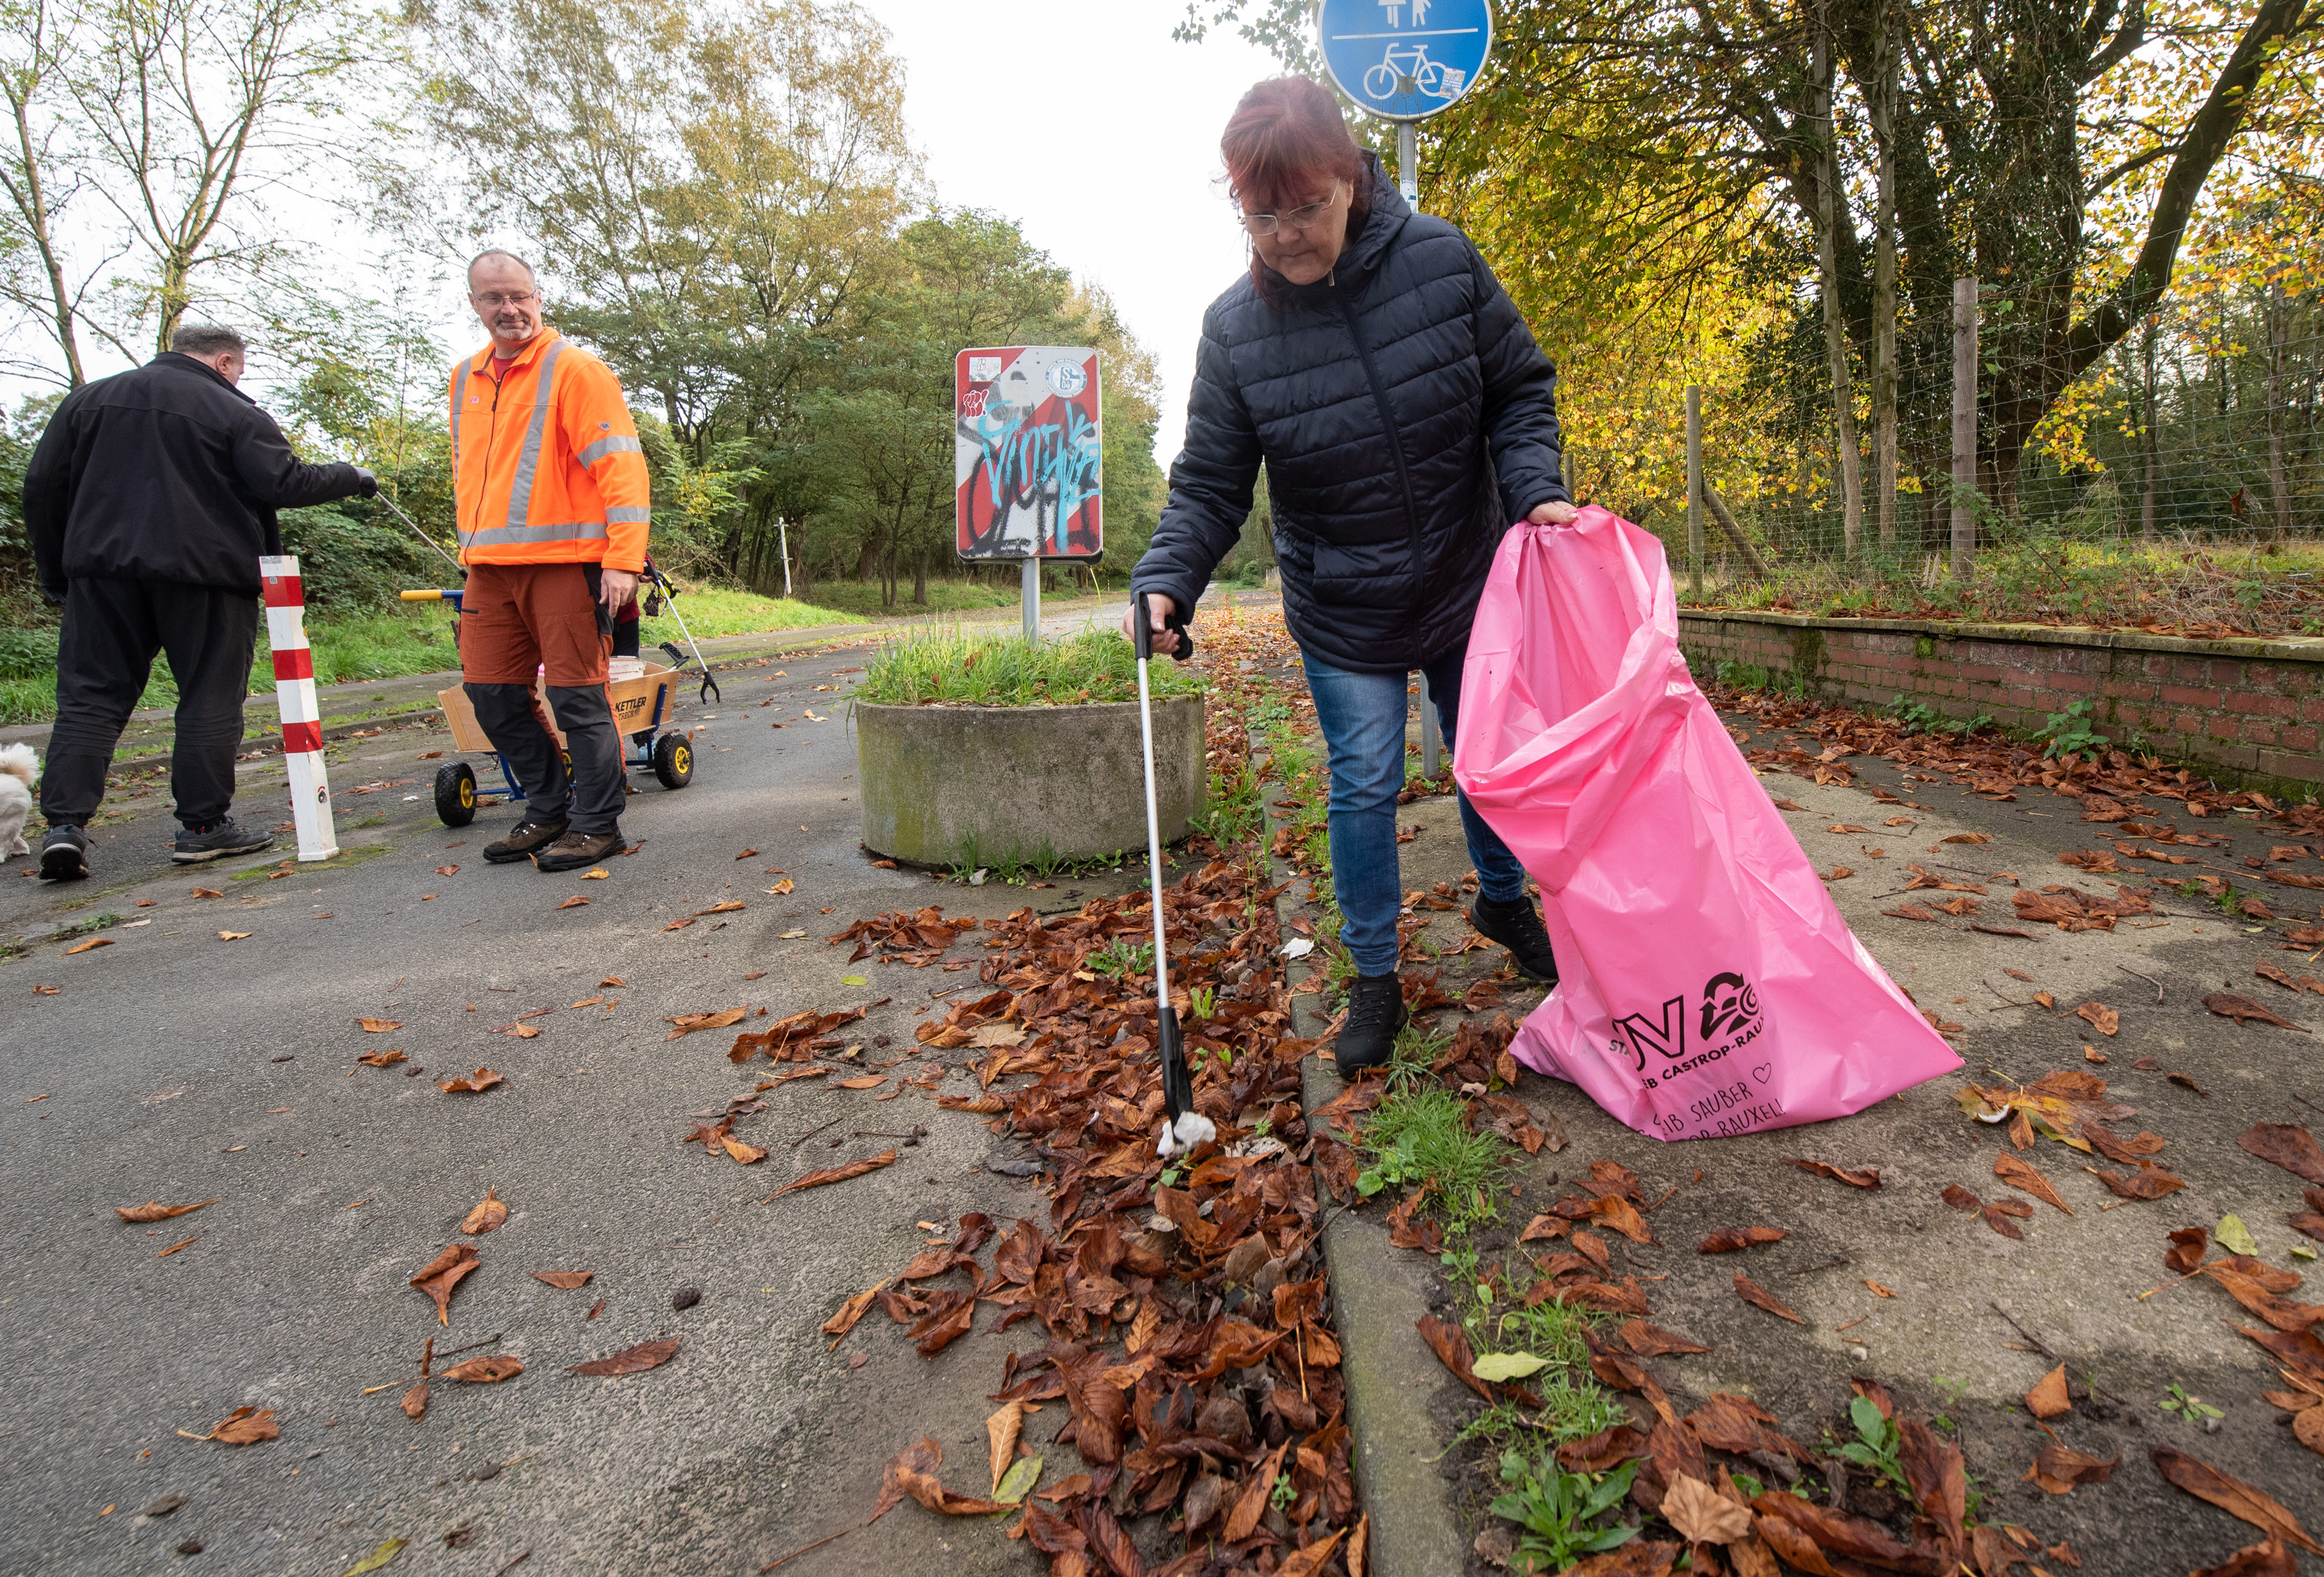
(1393, 1378)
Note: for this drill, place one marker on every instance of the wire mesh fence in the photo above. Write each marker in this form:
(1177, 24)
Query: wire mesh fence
(2176, 477)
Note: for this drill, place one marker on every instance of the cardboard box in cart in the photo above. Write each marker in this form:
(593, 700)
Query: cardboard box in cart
(638, 702)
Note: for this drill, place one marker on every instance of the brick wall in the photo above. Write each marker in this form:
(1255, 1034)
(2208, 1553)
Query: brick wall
(2250, 711)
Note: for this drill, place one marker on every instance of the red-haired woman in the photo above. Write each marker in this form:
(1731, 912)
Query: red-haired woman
(1373, 363)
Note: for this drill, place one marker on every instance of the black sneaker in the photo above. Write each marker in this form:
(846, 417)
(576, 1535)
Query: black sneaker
(522, 841)
(199, 845)
(64, 855)
(1518, 927)
(574, 850)
(1375, 1013)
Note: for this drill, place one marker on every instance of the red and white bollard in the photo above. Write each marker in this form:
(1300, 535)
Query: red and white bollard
(294, 693)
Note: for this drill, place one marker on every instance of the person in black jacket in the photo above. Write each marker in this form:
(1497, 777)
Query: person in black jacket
(150, 500)
(1406, 417)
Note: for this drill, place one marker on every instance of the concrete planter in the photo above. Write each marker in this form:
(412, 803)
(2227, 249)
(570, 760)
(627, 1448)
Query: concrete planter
(943, 784)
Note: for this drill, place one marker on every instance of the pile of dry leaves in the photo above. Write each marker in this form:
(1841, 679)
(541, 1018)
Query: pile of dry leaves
(1183, 1310)
(1984, 763)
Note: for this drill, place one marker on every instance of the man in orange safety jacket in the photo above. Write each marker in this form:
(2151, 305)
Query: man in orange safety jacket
(553, 495)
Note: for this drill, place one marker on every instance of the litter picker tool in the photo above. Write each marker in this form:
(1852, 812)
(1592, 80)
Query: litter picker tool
(709, 690)
(396, 510)
(1183, 1127)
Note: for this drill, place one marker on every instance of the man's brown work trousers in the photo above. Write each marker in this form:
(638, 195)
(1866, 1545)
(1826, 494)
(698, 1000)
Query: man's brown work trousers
(522, 620)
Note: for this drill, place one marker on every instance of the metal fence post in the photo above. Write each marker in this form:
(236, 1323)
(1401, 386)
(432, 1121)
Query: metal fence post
(1032, 599)
(1964, 501)
(1694, 488)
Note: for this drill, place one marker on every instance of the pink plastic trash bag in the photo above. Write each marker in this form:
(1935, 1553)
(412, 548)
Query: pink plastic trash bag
(1708, 985)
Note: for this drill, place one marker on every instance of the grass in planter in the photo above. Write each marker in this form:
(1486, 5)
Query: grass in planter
(994, 670)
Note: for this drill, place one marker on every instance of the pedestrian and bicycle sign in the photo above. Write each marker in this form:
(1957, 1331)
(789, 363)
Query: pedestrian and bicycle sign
(1404, 59)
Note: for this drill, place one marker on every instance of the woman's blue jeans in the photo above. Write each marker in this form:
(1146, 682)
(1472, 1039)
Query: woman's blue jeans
(1363, 718)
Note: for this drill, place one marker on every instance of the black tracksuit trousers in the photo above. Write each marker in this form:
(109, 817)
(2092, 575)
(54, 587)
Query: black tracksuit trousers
(104, 655)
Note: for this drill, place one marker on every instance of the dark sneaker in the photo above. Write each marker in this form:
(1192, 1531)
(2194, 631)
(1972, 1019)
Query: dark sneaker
(198, 845)
(64, 855)
(574, 850)
(1518, 927)
(1375, 1013)
(523, 839)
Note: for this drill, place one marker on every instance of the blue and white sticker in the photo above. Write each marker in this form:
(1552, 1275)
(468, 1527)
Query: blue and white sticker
(1067, 378)
(984, 369)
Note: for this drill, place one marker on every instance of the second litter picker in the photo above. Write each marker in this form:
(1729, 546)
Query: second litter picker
(1183, 1127)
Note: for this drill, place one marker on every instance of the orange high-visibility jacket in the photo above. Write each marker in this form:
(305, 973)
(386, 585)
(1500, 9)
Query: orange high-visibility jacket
(546, 463)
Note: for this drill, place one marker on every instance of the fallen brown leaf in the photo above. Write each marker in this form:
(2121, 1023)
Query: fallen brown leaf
(2048, 1400)
(636, 1360)
(2024, 1175)
(2149, 1182)
(487, 1372)
(1855, 1178)
(2241, 1008)
(380, 1026)
(688, 1023)
(154, 1209)
(2058, 1468)
(490, 1213)
(2232, 1496)
(2188, 1246)
(564, 1280)
(1452, 1347)
(817, 1179)
(482, 1079)
(243, 1427)
(92, 944)
(442, 1274)
(1001, 1430)
(2101, 1018)
(1729, 1239)
(1758, 1296)
(2287, 1145)
(382, 1059)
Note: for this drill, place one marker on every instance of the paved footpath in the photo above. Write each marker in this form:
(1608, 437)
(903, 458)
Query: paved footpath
(176, 1066)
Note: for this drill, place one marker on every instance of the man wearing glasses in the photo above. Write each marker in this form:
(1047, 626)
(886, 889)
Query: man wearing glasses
(553, 498)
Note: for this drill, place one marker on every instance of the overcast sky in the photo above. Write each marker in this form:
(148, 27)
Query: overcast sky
(1101, 136)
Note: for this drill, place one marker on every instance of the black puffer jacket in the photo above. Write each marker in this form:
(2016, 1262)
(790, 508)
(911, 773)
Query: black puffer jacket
(167, 471)
(1406, 417)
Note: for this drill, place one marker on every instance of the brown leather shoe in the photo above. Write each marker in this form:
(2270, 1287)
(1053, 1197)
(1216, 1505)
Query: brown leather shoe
(522, 840)
(574, 850)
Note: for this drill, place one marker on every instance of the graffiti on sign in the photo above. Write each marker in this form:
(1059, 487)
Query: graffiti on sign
(1026, 456)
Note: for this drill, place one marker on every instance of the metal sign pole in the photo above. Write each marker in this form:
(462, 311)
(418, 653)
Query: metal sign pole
(1032, 599)
(1407, 180)
(785, 527)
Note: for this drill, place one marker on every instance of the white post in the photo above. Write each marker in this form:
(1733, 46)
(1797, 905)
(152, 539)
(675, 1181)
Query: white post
(785, 527)
(294, 694)
(1033, 599)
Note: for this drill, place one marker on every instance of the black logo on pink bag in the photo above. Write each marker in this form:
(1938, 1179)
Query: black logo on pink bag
(1729, 1018)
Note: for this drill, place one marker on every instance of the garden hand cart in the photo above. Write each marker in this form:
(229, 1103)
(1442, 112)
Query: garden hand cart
(641, 705)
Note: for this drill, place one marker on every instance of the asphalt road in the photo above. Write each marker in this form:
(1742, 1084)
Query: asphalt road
(173, 1065)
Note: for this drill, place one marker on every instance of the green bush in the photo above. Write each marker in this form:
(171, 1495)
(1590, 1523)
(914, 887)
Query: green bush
(346, 563)
(996, 671)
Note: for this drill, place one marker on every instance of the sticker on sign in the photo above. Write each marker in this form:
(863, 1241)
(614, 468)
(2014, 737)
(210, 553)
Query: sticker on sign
(1404, 59)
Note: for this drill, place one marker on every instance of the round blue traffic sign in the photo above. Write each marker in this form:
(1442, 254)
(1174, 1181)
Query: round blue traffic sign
(1404, 59)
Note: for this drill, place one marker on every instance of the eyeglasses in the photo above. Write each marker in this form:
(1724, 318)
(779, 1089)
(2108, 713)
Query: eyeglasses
(1296, 219)
(493, 300)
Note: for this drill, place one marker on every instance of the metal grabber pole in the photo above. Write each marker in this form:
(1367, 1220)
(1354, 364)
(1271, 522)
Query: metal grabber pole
(1183, 1127)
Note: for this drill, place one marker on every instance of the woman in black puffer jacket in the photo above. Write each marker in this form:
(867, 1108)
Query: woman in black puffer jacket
(1406, 417)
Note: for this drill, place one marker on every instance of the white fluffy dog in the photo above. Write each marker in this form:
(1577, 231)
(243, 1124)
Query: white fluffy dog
(19, 767)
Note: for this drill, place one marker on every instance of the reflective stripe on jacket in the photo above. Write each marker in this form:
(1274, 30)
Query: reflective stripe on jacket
(545, 461)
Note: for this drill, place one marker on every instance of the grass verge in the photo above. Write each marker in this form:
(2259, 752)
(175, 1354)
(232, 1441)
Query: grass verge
(386, 643)
(992, 669)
